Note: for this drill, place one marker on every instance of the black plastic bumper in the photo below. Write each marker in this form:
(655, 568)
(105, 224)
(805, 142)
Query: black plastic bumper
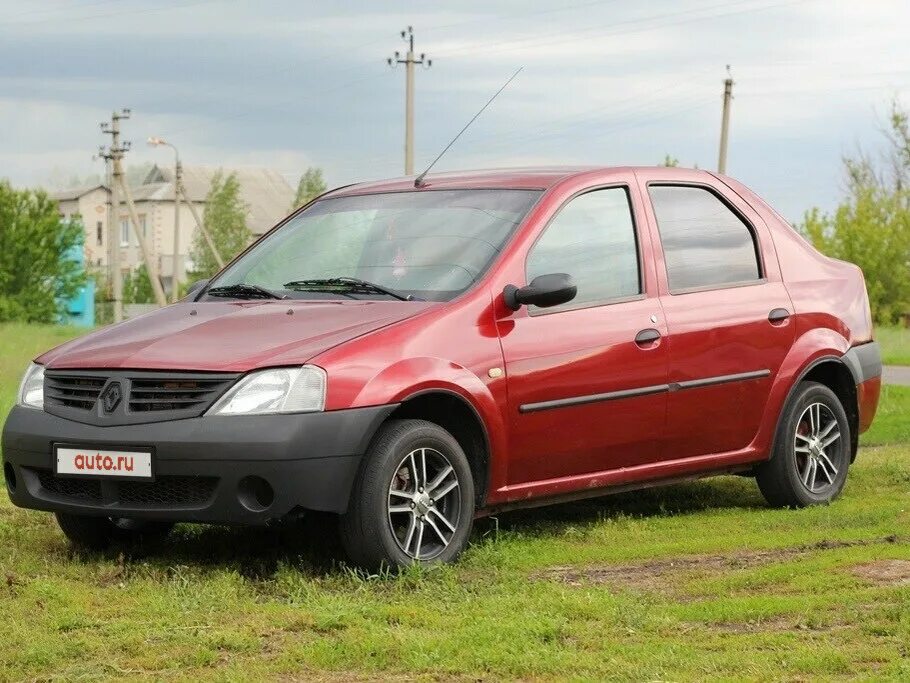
(207, 469)
(864, 361)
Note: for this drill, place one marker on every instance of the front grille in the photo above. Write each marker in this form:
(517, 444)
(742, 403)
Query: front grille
(72, 391)
(148, 395)
(168, 491)
(86, 490)
(165, 492)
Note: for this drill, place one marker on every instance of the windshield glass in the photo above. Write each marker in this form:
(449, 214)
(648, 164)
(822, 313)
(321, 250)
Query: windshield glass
(428, 245)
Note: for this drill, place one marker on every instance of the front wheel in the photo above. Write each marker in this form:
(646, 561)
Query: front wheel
(413, 501)
(808, 465)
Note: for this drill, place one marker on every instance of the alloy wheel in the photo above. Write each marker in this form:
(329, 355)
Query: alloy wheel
(424, 504)
(819, 448)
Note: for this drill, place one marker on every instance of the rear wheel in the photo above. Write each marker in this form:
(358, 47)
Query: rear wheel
(98, 533)
(811, 452)
(413, 500)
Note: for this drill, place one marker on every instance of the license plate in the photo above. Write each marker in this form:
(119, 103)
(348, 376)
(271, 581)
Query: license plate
(93, 462)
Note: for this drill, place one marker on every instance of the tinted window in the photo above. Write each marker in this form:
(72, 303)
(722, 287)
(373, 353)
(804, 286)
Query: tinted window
(705, 243)
(593, 240)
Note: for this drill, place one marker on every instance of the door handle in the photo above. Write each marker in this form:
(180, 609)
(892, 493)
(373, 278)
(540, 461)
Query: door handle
(647, 336)
(778, 315)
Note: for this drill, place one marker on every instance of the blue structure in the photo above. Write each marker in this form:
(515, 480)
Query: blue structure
(80, 310)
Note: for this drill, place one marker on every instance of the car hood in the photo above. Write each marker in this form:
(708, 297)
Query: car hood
(229, 336)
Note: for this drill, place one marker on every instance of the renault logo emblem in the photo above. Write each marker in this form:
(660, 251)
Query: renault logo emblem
(111, 397)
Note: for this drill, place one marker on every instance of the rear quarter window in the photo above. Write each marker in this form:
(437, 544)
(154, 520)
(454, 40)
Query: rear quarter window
(706, 245)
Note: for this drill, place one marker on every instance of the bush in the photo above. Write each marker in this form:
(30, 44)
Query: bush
(37, 270)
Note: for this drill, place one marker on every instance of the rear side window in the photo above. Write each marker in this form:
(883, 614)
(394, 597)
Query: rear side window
(592, 239)
(705, 243)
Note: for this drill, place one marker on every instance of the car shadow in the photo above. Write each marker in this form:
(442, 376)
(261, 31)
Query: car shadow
(310, 544)
(677, 499)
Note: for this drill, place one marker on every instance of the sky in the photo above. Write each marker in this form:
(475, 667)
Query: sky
(288, 85)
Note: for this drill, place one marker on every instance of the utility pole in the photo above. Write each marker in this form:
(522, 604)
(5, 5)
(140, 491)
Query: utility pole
(113, 224)
(409, 61)
(201, 225)
(118, 184)
(177, 263)
(725, 123)
(180, 193)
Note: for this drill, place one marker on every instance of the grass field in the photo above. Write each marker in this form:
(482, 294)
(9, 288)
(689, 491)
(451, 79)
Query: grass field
(895, 342)
(688, 582)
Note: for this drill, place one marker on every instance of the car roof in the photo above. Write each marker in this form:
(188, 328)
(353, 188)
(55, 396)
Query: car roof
(531, 178)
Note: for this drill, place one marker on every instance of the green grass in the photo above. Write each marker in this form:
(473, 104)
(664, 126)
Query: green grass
(19, 343)
(895, 343)
(605, 589)
(892, 419)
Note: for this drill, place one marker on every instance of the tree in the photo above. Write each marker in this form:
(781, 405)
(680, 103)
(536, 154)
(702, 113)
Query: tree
(311, 185)
(137, 288)
(225, 220)
(871, 226)
(37, 270)
(670, 162)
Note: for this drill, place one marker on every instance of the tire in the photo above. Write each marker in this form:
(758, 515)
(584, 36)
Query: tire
(804, 470)
(386, 529)
(99, 533)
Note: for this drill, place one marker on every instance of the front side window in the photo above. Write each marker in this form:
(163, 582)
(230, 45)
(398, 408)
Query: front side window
(429, 245)
(705, 243)
(592, 239)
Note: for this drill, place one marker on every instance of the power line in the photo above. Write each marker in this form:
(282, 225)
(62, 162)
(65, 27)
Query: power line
(686, 17)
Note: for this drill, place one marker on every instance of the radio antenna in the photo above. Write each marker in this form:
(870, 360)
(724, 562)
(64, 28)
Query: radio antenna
(418, 181)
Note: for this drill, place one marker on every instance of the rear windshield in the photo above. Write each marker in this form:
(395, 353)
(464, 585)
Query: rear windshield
(431, 245)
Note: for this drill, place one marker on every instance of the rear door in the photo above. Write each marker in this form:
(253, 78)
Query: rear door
(727, 314)
(587, 390)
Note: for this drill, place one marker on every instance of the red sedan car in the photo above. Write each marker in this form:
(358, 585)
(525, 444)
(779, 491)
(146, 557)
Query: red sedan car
(414, 357)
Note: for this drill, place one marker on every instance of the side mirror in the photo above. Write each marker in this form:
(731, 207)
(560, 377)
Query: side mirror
(195, 288)
(543, 291)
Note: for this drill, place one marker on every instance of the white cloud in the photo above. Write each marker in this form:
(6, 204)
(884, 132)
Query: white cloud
(289, 85)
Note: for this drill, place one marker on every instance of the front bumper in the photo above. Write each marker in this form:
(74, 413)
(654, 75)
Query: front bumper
(207, 469)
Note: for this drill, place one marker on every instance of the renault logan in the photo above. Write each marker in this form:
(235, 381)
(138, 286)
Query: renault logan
(413, 357)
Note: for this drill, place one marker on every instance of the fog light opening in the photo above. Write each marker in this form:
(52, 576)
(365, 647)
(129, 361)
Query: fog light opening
(10, 475)
(255, 494)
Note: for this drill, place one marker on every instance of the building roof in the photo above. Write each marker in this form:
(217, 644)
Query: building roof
(75, 192)
(264, 191)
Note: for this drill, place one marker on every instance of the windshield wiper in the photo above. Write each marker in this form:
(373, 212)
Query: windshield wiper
(350, 284)
(244, 290)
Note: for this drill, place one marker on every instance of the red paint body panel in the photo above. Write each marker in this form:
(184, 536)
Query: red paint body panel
(867, 394)
(226, 336)
(382, 352)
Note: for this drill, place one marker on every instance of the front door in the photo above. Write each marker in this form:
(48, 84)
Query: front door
(728, 317)
(587, 379)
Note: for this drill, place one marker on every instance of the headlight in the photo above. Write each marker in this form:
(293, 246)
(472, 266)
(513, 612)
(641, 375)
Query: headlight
(279, 390)
(31, 391)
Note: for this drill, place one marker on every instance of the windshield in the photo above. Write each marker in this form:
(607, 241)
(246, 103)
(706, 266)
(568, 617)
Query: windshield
(429, 245)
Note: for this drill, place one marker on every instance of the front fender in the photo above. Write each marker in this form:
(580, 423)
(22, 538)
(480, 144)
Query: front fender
(407, 378)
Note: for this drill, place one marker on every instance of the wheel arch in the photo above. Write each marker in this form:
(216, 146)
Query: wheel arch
(832, 372)
(458, 416)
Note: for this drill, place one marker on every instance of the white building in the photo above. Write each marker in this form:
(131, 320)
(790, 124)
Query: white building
(265, 192)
